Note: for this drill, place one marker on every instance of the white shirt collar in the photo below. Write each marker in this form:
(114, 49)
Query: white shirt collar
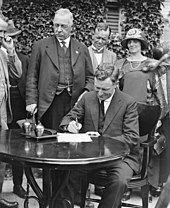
(97, 49)
(107, 102)
(110, 98)
(67, 41)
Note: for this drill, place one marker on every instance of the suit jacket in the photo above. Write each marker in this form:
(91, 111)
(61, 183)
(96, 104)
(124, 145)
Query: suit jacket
(11, 67)
(121, 121)
(22, 81)
(107, 57)
(43, 73)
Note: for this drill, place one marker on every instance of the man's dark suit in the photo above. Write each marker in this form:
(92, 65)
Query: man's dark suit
(44, 71)
(17, 94)
(121, 122)
(22, 81)
(18, 105)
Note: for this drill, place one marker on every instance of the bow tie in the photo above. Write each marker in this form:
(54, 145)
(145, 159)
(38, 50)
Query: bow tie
(98, 51)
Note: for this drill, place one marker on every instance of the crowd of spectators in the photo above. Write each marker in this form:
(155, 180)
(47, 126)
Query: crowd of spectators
(34, 18)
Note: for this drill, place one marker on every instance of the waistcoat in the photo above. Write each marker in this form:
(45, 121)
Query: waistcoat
(66, 72)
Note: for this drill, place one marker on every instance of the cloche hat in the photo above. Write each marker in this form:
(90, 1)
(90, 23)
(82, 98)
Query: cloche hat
(11, 29)
(137, 34)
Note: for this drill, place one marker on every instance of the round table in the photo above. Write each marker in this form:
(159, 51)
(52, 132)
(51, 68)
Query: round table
(49, 154)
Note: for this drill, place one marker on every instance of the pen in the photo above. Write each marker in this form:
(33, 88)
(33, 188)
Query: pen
(76, 121)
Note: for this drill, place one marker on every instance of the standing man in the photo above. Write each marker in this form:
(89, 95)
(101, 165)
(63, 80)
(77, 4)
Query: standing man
(10, 67)
(60, 70)
(113, 113)
(18, 106)
(98, 52)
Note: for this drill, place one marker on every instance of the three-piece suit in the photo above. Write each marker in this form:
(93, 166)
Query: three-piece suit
(121, 122)
(44, 73)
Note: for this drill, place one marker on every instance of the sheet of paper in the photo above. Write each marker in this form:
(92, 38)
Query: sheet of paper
(67, 137)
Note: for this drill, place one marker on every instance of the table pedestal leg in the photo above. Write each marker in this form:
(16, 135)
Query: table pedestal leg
(45, 197)
(32, 182)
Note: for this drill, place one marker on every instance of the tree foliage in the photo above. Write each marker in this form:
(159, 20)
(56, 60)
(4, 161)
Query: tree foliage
(34, 18)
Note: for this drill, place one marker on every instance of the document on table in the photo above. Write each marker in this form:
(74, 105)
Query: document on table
(68, 137)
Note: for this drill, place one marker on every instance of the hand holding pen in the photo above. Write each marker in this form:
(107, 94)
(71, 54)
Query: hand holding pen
(74, 126)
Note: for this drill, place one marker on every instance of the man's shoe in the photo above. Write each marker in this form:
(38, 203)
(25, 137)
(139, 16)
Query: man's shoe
(7, 204)
(155, 192)
(19, 191)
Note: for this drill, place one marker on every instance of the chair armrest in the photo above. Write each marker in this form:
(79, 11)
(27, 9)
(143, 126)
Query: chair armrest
(149, 143)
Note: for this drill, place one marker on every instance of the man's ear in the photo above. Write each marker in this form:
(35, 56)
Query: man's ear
(108, 41)
(117, 83)
(93, 35)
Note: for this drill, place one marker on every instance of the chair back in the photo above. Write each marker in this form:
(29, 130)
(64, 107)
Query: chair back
(148, 117)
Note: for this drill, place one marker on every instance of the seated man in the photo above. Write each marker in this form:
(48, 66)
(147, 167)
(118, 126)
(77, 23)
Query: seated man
(120, 121)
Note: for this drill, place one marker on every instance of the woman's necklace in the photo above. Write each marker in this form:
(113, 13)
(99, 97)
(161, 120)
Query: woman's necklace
(136, 63)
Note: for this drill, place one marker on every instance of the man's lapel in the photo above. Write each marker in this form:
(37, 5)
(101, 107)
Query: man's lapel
(93, 58)
(94, 108)
(113, 109)
(106, 56)
(51, 49)
(75, 51)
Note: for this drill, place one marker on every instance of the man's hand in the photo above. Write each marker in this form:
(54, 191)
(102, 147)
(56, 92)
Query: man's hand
(8, 44)
(32, 108)
(74, 127)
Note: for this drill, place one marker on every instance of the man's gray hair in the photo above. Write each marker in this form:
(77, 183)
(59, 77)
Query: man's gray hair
(62, 12)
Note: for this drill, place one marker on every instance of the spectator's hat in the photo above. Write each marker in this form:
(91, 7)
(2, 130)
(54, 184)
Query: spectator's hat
(136, 34)
(11, 29)
(3, 24)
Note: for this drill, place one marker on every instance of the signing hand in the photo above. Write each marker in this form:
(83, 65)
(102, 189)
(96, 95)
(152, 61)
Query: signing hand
(74, 127)
(32, 108)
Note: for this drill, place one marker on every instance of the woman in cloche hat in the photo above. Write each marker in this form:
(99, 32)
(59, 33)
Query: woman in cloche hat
(137, 78)
(137, 74)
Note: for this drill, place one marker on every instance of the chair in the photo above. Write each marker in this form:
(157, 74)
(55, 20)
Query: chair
(148, 117)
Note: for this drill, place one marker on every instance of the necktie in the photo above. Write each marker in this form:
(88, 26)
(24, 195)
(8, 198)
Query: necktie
(101, 117)
(64, 46)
